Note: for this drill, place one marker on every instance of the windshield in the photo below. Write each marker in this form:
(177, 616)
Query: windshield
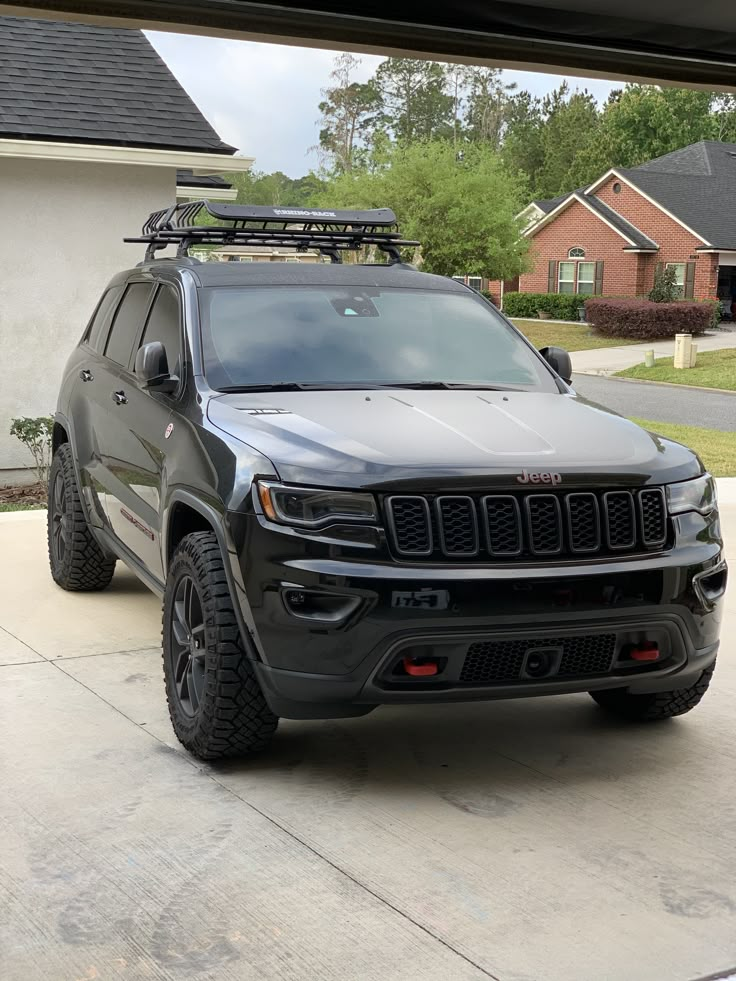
(322, 336)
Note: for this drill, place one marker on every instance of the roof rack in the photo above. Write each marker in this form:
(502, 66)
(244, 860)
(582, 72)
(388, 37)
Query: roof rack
(329, 232)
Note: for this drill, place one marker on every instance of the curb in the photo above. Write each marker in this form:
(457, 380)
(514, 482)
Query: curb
(612, 376)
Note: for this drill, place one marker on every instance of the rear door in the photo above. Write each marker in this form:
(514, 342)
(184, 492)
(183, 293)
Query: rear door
(83, 404)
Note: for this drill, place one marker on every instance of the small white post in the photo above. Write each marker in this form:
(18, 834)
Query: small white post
(693, 355)
(649, 359)
(683, 350)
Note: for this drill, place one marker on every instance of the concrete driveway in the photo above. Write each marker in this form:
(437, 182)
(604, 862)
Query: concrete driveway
(521, 841)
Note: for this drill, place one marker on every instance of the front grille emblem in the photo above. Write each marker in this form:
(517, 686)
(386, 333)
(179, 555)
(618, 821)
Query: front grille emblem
(539, 477)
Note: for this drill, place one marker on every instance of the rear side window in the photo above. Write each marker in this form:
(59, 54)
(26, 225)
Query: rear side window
(97, 328)
(163, 326)
(127, 323)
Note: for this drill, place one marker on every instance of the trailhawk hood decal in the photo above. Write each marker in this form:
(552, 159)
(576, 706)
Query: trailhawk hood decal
(355, 438)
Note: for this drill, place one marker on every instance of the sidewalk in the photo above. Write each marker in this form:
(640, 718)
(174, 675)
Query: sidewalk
(607, 360)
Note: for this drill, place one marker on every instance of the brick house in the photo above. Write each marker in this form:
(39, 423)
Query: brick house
(610, 237)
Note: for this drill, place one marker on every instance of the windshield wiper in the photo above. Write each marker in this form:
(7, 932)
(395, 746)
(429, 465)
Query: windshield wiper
(469, 386)
(298, 387)
(326, 386)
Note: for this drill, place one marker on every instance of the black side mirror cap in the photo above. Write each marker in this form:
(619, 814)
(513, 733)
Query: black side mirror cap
(152, 367)
(559, 360)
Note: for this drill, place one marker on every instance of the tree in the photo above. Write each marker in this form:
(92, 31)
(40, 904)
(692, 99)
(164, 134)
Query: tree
(463, 213)
(523, 150)
(414, 102)
(487, 103)
(349, 114)
(646, 121)
(256, 187)
(570, 124)
(665, 289)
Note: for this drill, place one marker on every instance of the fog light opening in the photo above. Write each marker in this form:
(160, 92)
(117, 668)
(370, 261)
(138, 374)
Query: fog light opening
(420, 667)
(647, 650)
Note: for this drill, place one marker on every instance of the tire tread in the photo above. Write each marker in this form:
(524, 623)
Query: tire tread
(86, 568)
(234, 717)
(655, 706)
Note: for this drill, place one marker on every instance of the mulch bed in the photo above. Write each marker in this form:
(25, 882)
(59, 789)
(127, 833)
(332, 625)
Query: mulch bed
(24, 494)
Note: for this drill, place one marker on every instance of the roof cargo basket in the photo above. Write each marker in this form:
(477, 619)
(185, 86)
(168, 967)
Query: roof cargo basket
(324, 230)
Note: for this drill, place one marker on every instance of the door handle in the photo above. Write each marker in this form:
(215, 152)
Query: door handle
(86, 375)
(119, 398)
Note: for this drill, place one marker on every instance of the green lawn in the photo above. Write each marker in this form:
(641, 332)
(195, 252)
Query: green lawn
(714, 369)
(21, 507)
(573, 337)
(716, 449)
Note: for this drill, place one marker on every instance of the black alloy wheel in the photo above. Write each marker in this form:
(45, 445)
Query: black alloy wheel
(187, 646)
(58, 519)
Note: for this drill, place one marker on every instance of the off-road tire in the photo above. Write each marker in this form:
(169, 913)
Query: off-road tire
(82, 566)
(655, 706)
(232, 717)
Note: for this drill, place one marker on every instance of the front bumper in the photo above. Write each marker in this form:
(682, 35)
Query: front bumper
(331, 627)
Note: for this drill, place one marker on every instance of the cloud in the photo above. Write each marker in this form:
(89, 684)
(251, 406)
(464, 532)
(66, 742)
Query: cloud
(263, 98)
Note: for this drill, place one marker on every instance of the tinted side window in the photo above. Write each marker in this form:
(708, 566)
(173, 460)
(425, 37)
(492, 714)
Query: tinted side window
(101, 320)
(127, 323)
(163, 325)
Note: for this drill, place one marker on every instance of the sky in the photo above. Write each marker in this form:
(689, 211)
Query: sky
(263, 98)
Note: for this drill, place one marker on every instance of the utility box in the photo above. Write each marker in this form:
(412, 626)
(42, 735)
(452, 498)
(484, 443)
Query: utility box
(685, 351)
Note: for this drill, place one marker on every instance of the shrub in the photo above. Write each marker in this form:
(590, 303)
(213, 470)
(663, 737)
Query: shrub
(35, 435)
(560, 306)
(665, 288)
(646, 320)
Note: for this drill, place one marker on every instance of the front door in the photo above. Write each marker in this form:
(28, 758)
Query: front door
(135, 459)
(115, 413)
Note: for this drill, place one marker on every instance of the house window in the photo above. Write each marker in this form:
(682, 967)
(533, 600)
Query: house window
(576, 253)
(475, 282)
(679, 268)
(586, 277)
(566, 277)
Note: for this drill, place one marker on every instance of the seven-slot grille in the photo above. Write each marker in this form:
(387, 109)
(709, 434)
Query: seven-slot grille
(537, 524)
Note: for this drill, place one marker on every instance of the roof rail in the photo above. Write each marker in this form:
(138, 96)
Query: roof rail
(330, 232)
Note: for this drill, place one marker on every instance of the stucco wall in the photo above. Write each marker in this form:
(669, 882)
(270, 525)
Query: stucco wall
(63, 225)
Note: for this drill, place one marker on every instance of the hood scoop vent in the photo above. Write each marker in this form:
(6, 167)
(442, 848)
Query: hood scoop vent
(264, 412)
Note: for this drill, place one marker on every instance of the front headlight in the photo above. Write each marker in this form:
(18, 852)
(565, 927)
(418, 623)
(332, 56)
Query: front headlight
(692, 495)
(307, 507)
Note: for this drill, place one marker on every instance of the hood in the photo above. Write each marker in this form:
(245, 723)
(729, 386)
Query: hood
(446, 438)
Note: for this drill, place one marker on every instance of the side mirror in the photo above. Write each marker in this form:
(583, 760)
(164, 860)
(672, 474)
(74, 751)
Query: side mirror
(559, 360)
(152, 367)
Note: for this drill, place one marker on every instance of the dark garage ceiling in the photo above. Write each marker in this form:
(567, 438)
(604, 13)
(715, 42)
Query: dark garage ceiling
(680, 41)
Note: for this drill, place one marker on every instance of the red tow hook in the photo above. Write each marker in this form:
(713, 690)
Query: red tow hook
(419, 669)
(646, 651)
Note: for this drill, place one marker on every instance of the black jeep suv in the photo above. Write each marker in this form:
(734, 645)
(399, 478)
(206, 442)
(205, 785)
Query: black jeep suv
(357, 484)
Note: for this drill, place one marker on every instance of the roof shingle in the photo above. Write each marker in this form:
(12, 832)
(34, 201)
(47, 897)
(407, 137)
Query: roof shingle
(697, 185)
(79, 83)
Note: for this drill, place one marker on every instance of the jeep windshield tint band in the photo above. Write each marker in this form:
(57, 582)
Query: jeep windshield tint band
(326, 336)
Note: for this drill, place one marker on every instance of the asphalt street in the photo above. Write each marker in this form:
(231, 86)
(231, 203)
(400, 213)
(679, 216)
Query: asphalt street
(661, 403)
